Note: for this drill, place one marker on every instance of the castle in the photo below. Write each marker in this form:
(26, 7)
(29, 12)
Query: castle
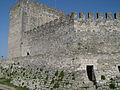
(42, 34)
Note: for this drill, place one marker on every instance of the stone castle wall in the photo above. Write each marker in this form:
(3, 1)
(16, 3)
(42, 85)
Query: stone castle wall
(98, 36)
(36, 14)
(77, 43)
(24, 17)
(15, 34)
(36, 68)
(52, 38)
(44, 37)
(76, 36)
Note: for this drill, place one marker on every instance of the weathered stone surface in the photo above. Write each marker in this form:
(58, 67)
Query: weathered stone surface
(43, 37)
(24, 17)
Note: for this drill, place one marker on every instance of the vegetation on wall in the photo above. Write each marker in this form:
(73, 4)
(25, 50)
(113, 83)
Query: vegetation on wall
(42, 78)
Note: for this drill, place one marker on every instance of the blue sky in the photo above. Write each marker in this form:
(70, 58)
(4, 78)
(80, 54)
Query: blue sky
(64, 5)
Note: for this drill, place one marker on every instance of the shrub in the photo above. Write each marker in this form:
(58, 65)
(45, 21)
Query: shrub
(34, 77)
(67, 83)
(45, 82)
(112, 86)
(61, 74)
(46, 71)
(103, 77)
(56, 85)
(52, 81)
(60, 79)
(73, 76)
(18, 63)
(56, 73)
(41, 69)
(46, 77)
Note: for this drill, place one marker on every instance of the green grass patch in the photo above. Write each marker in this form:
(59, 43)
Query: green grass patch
(86, 87)
(7, 82)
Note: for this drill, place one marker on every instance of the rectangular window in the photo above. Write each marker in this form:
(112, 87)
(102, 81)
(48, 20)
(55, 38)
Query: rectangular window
(119, 68)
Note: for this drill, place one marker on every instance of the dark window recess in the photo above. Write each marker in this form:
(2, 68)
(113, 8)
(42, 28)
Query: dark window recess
(119, 68)
(90, 73)
(21, 43)
(28, 53)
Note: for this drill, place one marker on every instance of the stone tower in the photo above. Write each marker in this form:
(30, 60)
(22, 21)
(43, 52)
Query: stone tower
(25, 16)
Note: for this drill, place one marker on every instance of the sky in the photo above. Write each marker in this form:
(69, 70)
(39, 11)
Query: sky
(65, 5)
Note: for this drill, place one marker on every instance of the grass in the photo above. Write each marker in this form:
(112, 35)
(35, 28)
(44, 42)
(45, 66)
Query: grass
(7, 82)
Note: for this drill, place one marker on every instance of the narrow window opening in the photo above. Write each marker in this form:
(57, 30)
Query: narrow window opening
(90, 73)
(28, 53)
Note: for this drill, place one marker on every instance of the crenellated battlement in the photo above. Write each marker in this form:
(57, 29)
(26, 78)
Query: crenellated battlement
(73, 16)
(99, 15)
(31, 21)
(42, 37)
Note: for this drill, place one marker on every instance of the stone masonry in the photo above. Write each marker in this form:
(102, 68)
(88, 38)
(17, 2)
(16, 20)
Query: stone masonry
(24, 17)
(44, 37)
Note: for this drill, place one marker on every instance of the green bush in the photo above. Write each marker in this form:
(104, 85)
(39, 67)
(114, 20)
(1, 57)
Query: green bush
(61, 74)
(34, 77)
(112, 86)
(46, 77)
(45, 82)
(73, 76)
(52, 81)
(56, 73)
(67, 83)
(56, 85)
(103, 77)
(60, 79)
